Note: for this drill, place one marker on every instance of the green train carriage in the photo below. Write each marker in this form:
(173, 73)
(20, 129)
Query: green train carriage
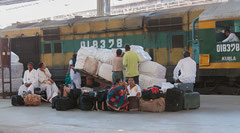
(164, 34)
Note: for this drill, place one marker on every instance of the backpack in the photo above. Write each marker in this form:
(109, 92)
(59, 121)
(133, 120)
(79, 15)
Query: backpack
(151, 93)
(17, 100)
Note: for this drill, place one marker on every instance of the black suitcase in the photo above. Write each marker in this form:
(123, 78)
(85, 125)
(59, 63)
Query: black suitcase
(75, 93)
(87, 101)
(54, 101)
(174, 99)
(191, 100)
(65, 103)
(17, 100)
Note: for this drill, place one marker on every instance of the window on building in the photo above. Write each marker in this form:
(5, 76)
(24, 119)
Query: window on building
(47, 48)
(177, 41)
(51, 34)
(57, 48)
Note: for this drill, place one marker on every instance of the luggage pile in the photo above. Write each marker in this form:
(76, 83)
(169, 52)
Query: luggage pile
(85, 99)
(151, 73)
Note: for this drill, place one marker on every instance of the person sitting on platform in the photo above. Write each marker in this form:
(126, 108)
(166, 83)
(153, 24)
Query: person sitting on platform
(185, 71)
(133, 89)
(117, 96)
(30, 81)
(46, 83)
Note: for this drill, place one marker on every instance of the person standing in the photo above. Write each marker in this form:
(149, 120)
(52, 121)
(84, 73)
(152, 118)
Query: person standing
(30, 81)
(117, 66)
(130, 61)
(185, 71)
(46, 83)
(74, 75)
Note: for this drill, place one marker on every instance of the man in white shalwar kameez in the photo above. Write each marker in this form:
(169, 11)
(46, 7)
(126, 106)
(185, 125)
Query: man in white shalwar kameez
(75, 76)
(30, 81)
(46, 83)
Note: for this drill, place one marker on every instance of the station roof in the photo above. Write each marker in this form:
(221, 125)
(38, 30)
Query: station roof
(224, 10)
(10, 2)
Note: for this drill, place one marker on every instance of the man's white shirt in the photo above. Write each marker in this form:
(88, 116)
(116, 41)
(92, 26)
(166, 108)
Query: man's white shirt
(30, 77)
(187, 67)
(231, 38)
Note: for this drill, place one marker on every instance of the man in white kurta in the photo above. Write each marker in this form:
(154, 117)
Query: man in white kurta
(75, 76)
(30, 81)
(231, 37)
(46, 83)
(185, 71)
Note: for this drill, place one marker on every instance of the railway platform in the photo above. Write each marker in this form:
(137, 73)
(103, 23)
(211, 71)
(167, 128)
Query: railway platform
(217, 114)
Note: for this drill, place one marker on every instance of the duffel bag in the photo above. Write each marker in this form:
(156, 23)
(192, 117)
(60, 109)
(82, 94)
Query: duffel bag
(151, 93)
(74, 93)
(87, 101)
(65, 103)
(156, 105)
(174, 99)
(17, 100)
(32, 100)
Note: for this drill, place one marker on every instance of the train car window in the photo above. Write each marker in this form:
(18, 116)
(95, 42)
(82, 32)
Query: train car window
(51, 34)
(177, 41)
(47, 48)
(232, 25)
(164, 24)
(57, 48)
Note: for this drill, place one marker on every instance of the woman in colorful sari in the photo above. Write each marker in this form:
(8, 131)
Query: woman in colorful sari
(117, 96)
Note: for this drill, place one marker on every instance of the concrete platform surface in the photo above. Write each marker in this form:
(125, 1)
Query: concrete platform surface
(217, 114)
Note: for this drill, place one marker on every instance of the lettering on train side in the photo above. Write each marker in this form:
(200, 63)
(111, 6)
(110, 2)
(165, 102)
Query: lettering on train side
(103, 43)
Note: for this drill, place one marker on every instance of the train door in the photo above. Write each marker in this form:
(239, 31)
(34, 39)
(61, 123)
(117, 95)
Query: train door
(27, 48)
(175, 47)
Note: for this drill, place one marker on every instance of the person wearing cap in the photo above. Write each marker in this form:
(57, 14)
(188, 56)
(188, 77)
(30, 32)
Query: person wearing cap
(30, 81)
(185, 71)
(231, 37)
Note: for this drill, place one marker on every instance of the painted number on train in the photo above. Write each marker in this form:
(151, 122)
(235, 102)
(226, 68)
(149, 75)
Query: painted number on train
(228, 47)
(109, 43)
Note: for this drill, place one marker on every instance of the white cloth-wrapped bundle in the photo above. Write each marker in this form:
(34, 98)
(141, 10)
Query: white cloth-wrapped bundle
(104, 55)
(146, 81)
(105, 71)
(91, 65)
(152, 69)
(16, 70)
(143, 55)
(82, 55)
(14, 57)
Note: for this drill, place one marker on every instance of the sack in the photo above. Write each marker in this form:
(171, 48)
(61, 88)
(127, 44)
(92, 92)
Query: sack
(91, 65)
(133, 103)
(17, 100)
(151, 93)
(32, 100)
(147, 81)
(152, 69)
(105, 71)
(65, 103)
(191, 100)
(156, 105)
(87, 101)
(174, 99)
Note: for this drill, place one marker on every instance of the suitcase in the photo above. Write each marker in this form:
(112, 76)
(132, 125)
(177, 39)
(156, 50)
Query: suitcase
(54, 100)
(174, 99)
(156, 105)
(17, 100)
(191, 100)
(75, 93)
(186, 87)
(151, 93)
(133, 103)
(65, 103)
(87, 101)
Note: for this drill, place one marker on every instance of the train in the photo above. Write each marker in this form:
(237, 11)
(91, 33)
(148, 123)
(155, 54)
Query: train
(164, 34)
